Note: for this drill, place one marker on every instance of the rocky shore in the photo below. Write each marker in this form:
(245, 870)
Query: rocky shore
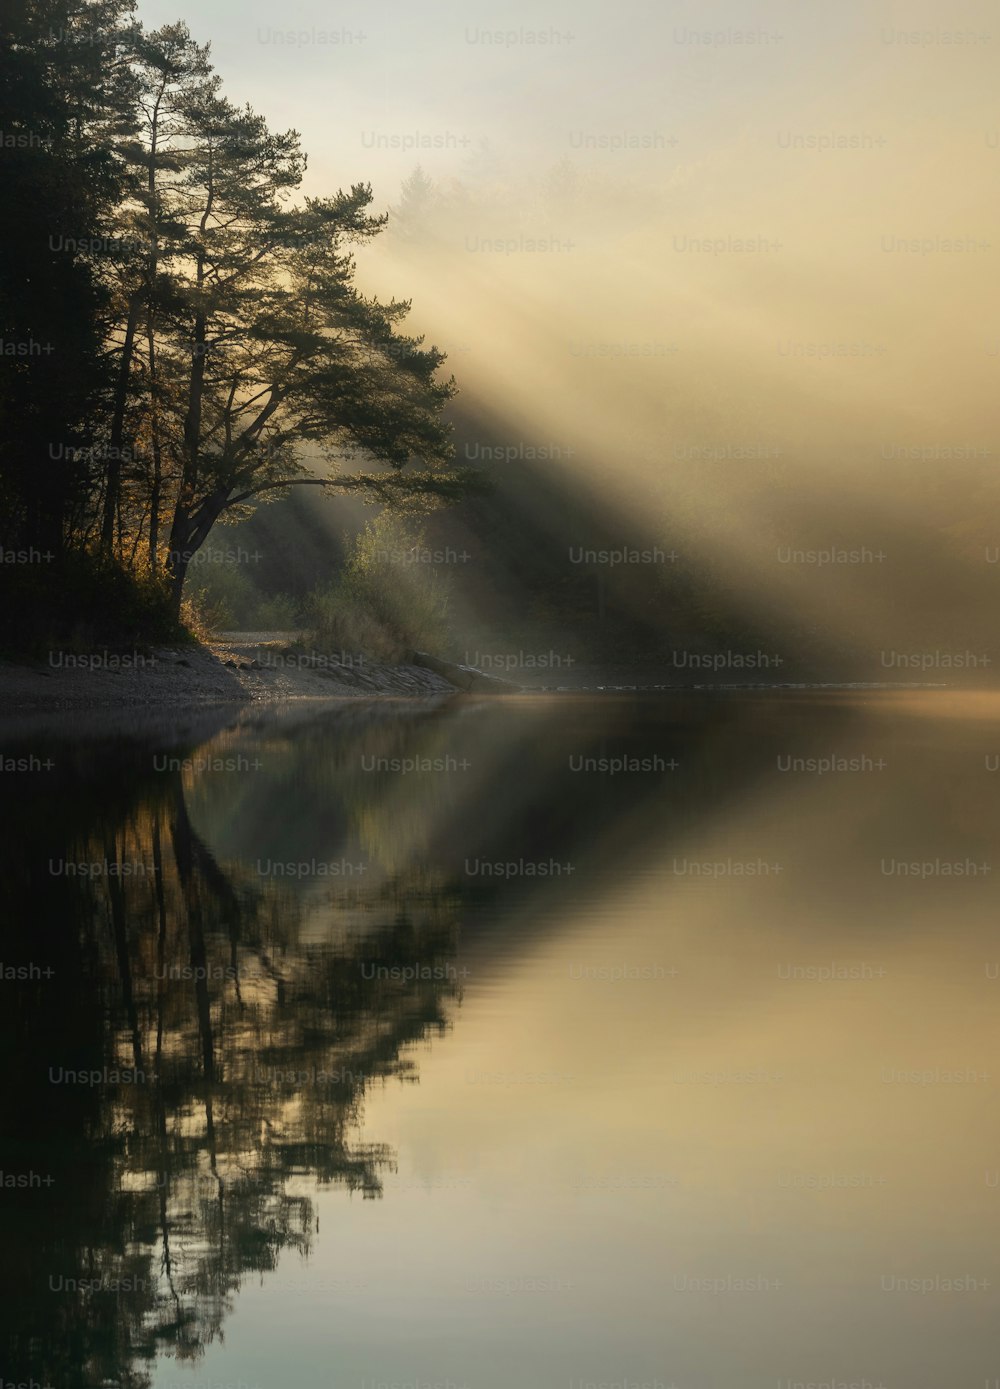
(249, 670)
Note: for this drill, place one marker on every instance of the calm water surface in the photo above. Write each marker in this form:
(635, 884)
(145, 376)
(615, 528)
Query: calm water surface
(532, 1042)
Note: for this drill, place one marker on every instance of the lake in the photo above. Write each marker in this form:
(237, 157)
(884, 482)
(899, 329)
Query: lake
(548, 1041)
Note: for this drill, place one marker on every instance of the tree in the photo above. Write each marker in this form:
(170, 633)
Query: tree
(257, 341)
(64, 93)
(169, 67)
(283, 349)
(210, 346)
(418, 202)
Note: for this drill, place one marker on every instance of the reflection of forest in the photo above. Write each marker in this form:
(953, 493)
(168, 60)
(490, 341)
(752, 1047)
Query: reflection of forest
(256, 1009)
(231, 1056)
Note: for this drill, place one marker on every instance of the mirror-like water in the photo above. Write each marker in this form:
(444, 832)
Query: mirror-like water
(541, 1042)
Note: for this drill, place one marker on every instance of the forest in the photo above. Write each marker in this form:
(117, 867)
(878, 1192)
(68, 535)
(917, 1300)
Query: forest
(178, 325)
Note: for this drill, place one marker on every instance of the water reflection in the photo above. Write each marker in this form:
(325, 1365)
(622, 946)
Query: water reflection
(187, 1030)
(228, 945)
(183, 1054)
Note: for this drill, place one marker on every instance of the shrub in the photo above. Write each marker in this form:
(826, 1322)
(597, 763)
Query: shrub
(80, 601)
(220, 597)
(277, 613)
(386, 600)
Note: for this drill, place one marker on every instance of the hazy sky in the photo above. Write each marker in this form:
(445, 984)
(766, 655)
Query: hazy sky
(393, 68)
(800, 251)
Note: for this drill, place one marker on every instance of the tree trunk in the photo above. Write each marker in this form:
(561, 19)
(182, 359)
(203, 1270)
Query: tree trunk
(177, 568)
(157, 486)
(151, 273)
(183, 530)
(113, 477)
(187, 535)
(192, 420)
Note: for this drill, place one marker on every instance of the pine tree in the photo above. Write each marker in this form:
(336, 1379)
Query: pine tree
(64, 91)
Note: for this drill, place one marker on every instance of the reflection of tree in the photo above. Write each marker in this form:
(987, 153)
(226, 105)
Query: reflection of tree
(251, 1052)
(258, 1010)
(509, 796)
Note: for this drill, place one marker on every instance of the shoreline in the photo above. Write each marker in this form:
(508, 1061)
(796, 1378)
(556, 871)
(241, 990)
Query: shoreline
(256, 669)
(221, 672)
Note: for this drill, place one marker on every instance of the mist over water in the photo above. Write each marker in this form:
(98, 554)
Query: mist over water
(516, 1071)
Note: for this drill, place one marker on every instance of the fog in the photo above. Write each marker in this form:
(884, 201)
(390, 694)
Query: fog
(732, 268)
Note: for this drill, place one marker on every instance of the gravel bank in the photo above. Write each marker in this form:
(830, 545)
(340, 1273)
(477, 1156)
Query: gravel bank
(246, 670)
